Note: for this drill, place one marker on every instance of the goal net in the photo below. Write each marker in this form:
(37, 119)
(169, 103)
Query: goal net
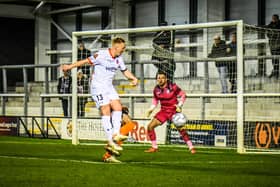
(226, 68)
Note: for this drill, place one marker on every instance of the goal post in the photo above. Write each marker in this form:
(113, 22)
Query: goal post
(75, 138)
(240, 88)
(231, 116)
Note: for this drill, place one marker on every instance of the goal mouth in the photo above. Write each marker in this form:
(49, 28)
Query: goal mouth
(226, 69)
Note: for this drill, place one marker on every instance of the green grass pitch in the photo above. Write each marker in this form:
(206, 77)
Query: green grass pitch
(44, 162)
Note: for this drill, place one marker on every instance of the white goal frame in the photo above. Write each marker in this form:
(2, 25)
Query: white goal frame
(240, 69)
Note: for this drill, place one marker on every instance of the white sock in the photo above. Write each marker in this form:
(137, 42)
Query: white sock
(190, 144)
(107, 125)
(116, 121)
(154, 144)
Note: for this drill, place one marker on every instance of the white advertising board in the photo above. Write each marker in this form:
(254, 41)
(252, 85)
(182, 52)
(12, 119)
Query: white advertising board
(91, 129)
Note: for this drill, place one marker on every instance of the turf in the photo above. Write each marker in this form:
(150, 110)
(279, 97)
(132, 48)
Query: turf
(42, 162)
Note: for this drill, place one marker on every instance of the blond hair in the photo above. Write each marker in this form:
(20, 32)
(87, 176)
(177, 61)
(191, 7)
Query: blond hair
(118, 40)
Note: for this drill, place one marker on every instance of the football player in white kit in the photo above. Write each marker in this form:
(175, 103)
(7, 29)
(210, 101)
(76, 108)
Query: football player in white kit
(106, 63)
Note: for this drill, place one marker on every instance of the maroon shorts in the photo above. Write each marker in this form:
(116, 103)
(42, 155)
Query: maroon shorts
(164, 115)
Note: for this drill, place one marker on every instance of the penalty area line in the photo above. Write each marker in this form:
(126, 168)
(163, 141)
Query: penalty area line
(52, 159)
(135, 162)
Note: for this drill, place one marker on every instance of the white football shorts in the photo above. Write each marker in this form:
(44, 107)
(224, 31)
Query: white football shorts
(103, 95)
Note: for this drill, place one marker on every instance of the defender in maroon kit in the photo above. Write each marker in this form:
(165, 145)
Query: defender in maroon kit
(171, 99)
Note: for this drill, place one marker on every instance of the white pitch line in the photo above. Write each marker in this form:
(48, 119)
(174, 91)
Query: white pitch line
(137, 162)
(52, 159)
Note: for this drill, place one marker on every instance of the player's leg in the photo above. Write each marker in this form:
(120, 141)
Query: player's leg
(107, 125)
(152, 135)
(65, 106)
(186, 139)
(276, 67)
(111, 147)
(234, 82)
(116, 118)
(111, 159)
(103, 103)
(82, 107)
(223, 80)
(275, 63)
(128, 126)
(232, 76)
(105, 110)
(125, 129)
(79, 107)
(159, 119)
(116, 115)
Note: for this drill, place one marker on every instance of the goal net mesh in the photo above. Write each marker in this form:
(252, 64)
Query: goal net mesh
(203, 62)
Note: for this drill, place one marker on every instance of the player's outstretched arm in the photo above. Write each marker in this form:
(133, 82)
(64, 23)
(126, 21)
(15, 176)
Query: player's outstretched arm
(130, 76)
(149, 111)
(66, 67)
(182, 99)
(152, 107)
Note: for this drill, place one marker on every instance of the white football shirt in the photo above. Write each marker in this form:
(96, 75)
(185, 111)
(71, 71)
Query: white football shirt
(105, 67)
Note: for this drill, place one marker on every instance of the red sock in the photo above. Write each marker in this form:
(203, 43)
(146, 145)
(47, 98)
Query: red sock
(184, 135)
(152, 135)
(186, 138)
